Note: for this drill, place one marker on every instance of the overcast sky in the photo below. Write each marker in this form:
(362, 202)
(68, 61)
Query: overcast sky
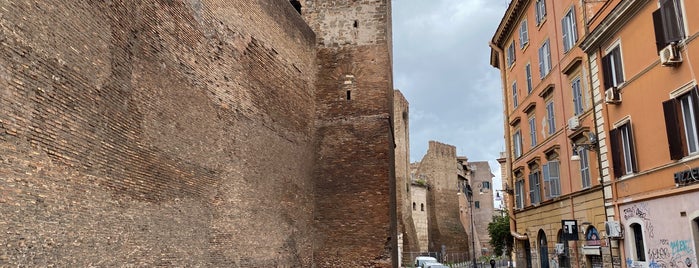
(441, 64)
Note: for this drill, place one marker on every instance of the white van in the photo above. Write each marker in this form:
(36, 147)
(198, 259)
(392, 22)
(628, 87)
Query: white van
(422, 260)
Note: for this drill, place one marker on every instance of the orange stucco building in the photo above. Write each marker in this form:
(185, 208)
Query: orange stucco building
(641, 55)
(555, 198)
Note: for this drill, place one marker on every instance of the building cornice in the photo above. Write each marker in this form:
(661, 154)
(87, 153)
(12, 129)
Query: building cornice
(611, 24)
(507, 25)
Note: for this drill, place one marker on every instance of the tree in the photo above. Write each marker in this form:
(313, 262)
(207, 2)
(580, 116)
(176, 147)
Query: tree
(500, 237)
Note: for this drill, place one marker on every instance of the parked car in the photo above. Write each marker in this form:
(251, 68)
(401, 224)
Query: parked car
(436, 265)
(422, 260)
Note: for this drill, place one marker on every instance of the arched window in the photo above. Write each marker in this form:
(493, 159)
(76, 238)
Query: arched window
(413, 205)
(564, 256)
(637, 242)
(422, 207)
(543, 250)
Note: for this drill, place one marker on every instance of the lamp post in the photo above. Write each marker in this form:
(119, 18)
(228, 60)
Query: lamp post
(469, 196)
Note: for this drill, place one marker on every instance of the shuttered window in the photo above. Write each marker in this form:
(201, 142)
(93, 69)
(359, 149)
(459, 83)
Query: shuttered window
(523, 34)
(612, 68)
(681, 123)
(540, 11)
(519, 193)
(552, 182)
(668, 23)
(569, 30)
(534, 188)
(623, 152)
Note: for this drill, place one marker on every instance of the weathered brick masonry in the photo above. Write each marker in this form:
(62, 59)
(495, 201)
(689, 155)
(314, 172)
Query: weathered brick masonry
(354, 175)
(187, 133)
(439, 167)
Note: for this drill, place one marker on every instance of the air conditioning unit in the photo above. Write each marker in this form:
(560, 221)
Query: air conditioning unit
(670, 55)
(612, 95)
(560, 249)
(614, 229)
(573, 123)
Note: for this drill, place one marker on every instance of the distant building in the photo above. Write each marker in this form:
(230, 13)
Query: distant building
(480, 178)
(418, 190)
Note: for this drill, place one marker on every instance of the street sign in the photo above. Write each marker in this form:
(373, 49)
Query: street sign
(570, 229)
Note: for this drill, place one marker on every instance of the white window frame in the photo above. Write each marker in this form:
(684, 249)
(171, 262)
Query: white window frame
(532, 130)
(515, 101)
(523, 34)
(626, 135)
(584, 168)
(517, 143)
(551, 117)
(578, 105)
(614, 65)
(569, 30)
(535, 189)
(528, 72)
(545, 59)
(511, 55)
(519, 193)
(688, 118)
(552, 184)
(540, 9)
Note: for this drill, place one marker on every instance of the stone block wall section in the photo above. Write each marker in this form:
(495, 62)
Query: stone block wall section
(355, 215)
(158, 133)
(439, 167)
(401, 128)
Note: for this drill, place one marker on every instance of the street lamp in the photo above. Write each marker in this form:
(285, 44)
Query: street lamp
(469, 196)
(591, 145)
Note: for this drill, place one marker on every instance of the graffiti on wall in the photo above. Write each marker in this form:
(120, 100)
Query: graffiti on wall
(661, 252)
(642, 212)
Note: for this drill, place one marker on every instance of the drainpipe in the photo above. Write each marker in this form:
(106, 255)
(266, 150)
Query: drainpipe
(508, 159)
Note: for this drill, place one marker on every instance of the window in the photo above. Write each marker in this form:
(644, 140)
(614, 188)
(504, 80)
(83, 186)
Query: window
(584, 167)
(550, 117)
(528, 70)
(540, 11)
(519, 193)
(623, 153)
(552, 179)
(477, 204)
(413, 205)
(612, 68)
(532, 130)
(517, 138)
(668, 23)
(486, 185)
(681, 124)
(570, 32)
(637, 240)
(422, 206)
(544, 59)
(523, 34)
(515, 102)
(577, 96)
(534, 188)
(511, 54)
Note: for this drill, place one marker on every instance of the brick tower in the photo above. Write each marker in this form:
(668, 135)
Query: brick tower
(354, 175)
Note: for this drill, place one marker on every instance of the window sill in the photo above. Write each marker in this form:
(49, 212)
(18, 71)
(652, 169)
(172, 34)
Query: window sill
(524, 48)
(541, 23)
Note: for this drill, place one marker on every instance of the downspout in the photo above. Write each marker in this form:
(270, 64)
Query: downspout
(508, 159)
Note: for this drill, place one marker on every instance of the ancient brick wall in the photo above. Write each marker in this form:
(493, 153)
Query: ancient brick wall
(355, 182)
(439, 167)
(158, 133)
(401, 128)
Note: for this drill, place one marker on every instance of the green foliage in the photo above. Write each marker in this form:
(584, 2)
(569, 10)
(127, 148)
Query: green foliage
(421, 182)
(500, 237)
